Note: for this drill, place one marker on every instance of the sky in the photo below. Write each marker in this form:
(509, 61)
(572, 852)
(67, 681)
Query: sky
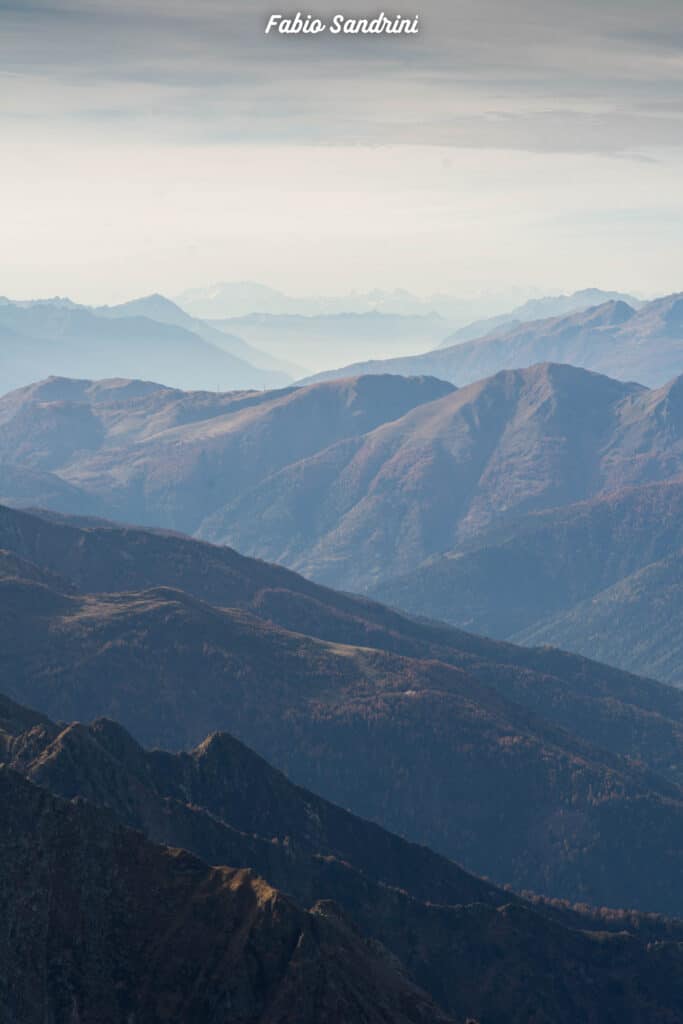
(513, 146)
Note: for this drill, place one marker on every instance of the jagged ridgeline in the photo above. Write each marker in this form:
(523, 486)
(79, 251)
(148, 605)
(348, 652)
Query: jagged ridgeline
(494, 507)
(153, 932)
(533, 767)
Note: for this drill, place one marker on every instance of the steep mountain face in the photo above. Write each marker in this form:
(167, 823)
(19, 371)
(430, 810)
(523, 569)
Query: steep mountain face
(613, 338)
(472, 756)
(599, 577)
(227, 804)
(479, 951)
(117, 929)
(154, 455)
(45, 338)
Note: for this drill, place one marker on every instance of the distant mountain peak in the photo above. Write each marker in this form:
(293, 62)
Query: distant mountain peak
(148, 338)
(614, 311)
(631, 341)
(155, 301)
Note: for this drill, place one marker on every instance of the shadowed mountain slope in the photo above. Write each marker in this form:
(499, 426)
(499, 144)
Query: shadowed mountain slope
(91, 557)
(458, 754)
(496, 958)
(637, 623)
(117, 929)
(599, 577)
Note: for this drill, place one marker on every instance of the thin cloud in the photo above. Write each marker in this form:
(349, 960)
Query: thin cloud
(150, 146)
(600, 77)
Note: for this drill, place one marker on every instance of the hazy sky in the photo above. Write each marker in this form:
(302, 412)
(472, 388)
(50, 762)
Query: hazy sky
(157, 146)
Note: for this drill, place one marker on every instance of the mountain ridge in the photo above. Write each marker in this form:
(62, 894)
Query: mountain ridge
(213, 429)
(641, 345)
(362, 482)
(538, 309)
(159, 308)
(71, 340)
(447, 943)
(514, 736)
(125, 929)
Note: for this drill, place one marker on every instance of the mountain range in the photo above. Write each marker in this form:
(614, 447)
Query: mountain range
(267, 343)
(319, 333)
(160, 309)
(62, 338)
(541, 770)
(146, 442)
(384, 914)
(494, 507)
(245, 796)
(240, 298)
(153, 338)
(539, 309)
(613, 338)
